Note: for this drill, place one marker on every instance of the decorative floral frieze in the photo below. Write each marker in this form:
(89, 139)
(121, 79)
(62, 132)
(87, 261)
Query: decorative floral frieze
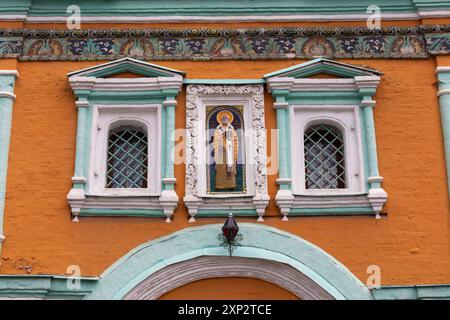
(252, 43)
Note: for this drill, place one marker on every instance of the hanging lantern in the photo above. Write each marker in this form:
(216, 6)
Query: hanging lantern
(230, 237)
(230, 228)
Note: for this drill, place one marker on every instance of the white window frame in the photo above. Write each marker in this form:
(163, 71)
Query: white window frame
(346, 119)
(110, 116)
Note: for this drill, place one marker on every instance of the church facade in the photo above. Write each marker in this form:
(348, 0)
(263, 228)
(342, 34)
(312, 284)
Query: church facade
(224, 150)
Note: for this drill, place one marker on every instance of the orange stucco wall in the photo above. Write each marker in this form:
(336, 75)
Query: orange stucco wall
(229, 289)
(410, 244)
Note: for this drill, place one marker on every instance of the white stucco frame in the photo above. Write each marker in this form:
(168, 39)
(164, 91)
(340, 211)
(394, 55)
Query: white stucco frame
(197, 200)
(109, 116)
(346, 119)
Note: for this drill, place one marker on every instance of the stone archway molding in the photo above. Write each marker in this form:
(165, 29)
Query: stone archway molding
(207, 267)
(318, 274)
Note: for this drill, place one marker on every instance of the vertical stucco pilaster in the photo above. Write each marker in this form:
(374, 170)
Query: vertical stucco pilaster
(168, 177)
(168, 198)
(371, 145)
(7, 80)
(284, 195)
(79, 178)
(281, 107)
(443, 74)
(367, 86)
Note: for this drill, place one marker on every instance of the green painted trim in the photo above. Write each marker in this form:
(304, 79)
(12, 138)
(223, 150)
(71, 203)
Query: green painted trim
(96, 212)
(259, 241)
(431, 291)
(365, 152)
(282, 146)
(81, 147)
(288, 141)
(283, 138)
(225, 212)
(213, 8)
(371, 144)
(6, 110)
(99, 97)
(331, 211)
(224, 81)
(169, 143)
(87, 142)
(55, 286)
(85, 118)
(169, 147)
(44, 287)
(127, 65)
(444, 106)
(335, 97)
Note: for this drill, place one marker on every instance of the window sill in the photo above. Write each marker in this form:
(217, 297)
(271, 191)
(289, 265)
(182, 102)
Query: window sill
(124, 193)
(162, 205)
(369, 203)
(239, 205)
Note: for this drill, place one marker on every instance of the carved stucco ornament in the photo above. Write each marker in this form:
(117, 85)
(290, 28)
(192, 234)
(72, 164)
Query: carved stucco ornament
(193, 199)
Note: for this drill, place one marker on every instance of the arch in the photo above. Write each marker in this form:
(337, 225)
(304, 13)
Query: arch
(325, 120)
(305, 269)
(206, 267)
(138, 123)
(324, 156)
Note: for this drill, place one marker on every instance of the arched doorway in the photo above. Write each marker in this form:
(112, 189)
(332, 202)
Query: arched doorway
(267, 254)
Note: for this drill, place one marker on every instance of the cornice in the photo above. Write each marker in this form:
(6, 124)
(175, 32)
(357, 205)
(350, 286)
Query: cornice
(222, 32)
(95, 11)
(311, 84)
(125, 84)
(215, 43)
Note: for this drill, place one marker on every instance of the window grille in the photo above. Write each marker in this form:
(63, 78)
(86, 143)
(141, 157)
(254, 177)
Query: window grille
(127, 159)
(324, 158)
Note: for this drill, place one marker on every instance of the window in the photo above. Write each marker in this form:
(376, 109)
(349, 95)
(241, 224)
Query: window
(326, 139)
(124, 145)
(125, 149)
(127, 159)
(326, 150)
(324, 158)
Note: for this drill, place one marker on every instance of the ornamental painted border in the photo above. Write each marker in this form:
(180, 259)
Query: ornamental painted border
(213, 44)
(194, 202)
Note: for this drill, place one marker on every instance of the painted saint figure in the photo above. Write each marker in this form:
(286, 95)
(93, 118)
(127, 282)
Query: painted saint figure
(225, 145)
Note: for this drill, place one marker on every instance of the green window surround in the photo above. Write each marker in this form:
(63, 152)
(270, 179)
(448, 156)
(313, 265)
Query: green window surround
(301, 100)
(443, 74)
(7, 81)
(104, 102)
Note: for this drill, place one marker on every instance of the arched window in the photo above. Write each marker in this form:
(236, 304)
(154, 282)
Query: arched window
(324, 158)
(127, 158)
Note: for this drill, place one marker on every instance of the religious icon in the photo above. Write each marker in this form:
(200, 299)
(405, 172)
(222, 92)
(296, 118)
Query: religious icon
(225, 151)
(226, 172)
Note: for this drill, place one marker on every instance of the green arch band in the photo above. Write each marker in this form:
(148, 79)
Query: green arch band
(259, 241)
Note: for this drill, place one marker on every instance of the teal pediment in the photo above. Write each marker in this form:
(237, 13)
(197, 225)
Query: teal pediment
(126, 65)
(322, 66)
